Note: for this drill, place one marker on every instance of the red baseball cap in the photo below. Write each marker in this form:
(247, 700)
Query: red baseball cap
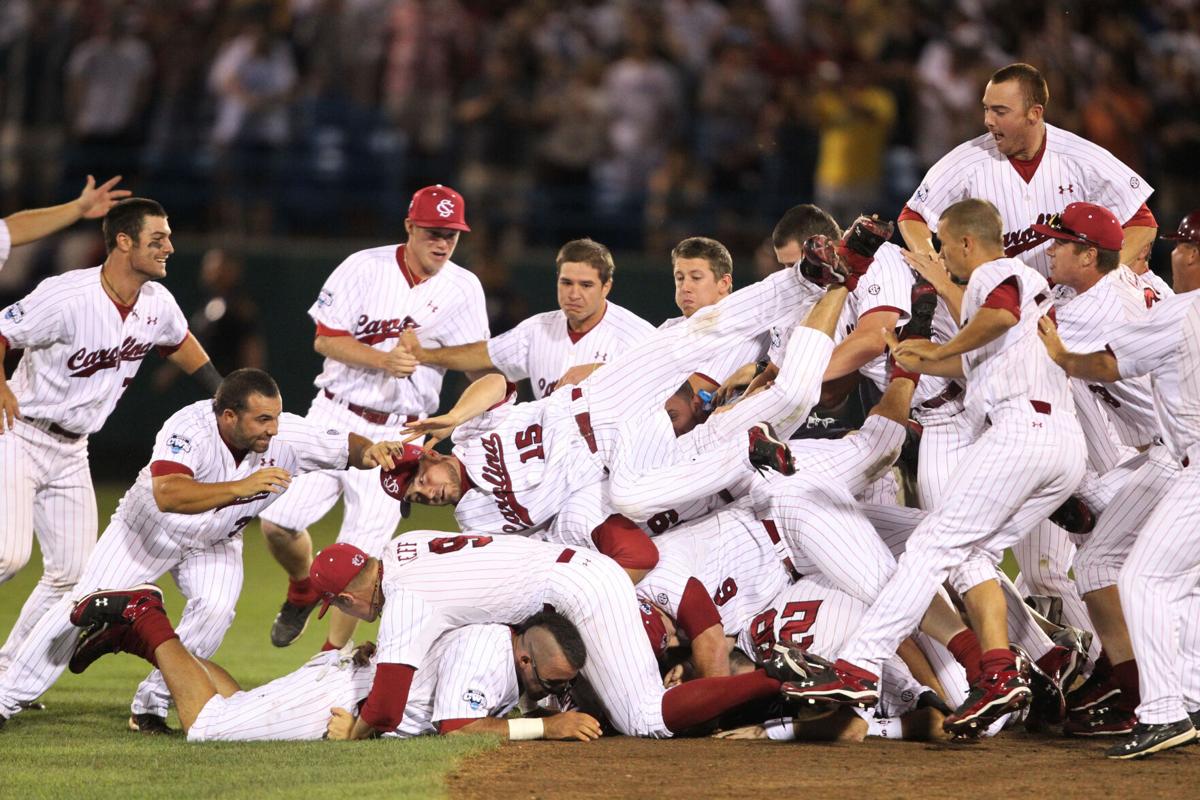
(438, 207)
(656, 630)
(395, 481)
(332, 570)
(1188, 231)
(1086, 223)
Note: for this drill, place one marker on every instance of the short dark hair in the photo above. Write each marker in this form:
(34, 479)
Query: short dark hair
(1033, 85)
(565, 634)
(979, 218)
(802, 221)
(128, 217)
(1106, 260)
(712, 251)
(237, 387)
(587, 251)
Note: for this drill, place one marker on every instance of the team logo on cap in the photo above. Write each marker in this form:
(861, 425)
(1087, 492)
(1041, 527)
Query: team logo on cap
(445, 208)
(358, 559)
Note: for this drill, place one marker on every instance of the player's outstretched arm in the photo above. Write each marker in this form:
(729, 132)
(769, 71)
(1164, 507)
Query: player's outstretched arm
(182, 494)
(194, 361)
(473, 357)
(568, 725)
(1101, 366)
(862, 346)
(923, 356)
(480, 396)
(94, 201)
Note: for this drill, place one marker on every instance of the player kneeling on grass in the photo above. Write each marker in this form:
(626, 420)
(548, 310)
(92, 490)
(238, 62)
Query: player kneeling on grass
(473, 677)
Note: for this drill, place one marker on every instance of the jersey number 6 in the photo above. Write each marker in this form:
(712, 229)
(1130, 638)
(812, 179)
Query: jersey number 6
(452, 544)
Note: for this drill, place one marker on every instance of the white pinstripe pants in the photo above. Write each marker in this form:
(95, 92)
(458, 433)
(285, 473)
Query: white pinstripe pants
(45, 488)
(210, 577)
(1159, 587)
(1017, 472)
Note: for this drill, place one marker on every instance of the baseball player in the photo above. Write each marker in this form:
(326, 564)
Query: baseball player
(1157, 584)
(428, 582)
(216, 464)
(85, 334)
(371, 384)
(1027, 459)
(570, 343)
(474, 676)
(35, 223)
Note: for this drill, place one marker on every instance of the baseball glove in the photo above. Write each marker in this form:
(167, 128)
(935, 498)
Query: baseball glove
(820, 263)
(866, 234)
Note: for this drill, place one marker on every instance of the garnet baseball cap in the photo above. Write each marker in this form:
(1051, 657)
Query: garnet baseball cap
(395, 481)
(1188, 231)
(1086, 223)
(438, 207)
(656, 630)
(332, 570)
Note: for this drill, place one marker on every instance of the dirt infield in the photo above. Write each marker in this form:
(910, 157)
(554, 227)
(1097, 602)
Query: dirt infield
(1013, 766)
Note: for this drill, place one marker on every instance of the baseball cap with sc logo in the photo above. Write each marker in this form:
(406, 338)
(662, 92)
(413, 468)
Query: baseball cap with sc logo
(438, 207)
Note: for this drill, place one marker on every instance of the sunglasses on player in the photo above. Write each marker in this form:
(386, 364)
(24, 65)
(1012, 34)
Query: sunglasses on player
(553, 687)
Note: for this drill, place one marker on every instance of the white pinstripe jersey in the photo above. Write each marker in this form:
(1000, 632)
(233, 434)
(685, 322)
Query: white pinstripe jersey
(1014, 368)
(79, 353)
(1166, 346)
(730, 554)
(468, 579)
(810, 613)
(190, 443)
(524, 460)
(543, 347)
(1072, 170)
(719, 368)
(1085, 323)
(371, 297)
(5, 243)
(469, 674)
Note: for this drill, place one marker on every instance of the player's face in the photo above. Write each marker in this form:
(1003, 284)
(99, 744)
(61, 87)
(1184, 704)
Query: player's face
(580, 292)
(1185, 267)
(683, 414)
(1068, 264)
(1013, 126)
(696, 286)
(148, 255)
(438, 482)
(541, 667)
(429, 249)
(789, 254)
(953, 251)
(255, 426)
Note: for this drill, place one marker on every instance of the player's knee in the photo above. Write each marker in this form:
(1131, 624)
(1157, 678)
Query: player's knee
(13, 559)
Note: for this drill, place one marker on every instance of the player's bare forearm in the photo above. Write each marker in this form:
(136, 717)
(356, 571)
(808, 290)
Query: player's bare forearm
(190, 356)
(350, 351)
(914, 658)
(358, 446)
(479, 397)
(35, 223)
(1137, 237)
(182, 494)
(862, 346)
(710, 653)
(824, 315)
(473, 357)
(917, 236)
(988, 325)
(1100, 367)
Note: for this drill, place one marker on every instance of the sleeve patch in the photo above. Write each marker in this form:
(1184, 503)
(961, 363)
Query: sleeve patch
(179, 444)
(475, 698)
(14, 313)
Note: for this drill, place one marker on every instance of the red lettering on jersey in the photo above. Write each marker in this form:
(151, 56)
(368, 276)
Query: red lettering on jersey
(496, 473)
(452, 544)
(373, 331)
(88, 363)
(726, 592)
(762, 633)
(1017, 242)
(793, 632)
(529, 442)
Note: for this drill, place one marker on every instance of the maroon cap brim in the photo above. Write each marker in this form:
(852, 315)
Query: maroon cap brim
(325, 604)
(1055, 233)
(454, 226)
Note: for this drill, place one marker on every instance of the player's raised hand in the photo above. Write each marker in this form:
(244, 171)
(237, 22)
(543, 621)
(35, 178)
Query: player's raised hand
(571, 725)
(272, 480)
(95, 201)
(340, 725)
(382, 454)
(929, 266)
(436, 428)
(10, 410)
(399, 362)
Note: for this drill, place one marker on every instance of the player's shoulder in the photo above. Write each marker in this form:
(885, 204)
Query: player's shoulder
(622, 317)
(372, 258)
(157, 292)
(889, 258)
(1072, 145)
(1001, 269)
(972, 153)
(72, 284)
(194, 417)
(461, 276)
(545, 320)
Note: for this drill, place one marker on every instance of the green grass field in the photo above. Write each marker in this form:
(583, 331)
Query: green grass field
(79, 747)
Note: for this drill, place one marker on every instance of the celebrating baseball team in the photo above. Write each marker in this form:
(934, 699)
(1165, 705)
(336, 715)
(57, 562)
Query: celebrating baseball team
(644, 548)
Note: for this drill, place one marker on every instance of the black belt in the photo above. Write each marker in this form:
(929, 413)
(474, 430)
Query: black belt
(371, 415)
(55, 428)
(951, 392)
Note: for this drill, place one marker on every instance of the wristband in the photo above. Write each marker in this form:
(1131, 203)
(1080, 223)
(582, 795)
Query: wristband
(522, 729)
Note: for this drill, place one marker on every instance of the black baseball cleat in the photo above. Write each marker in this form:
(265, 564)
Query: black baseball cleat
(840, 683)
(989, 699)
(119, 606)
(924, 304)
(98, 640)
(32, 705)
(768, 452)
(931, 699)
(151, 725)
(1102, 720)
(792, 663)
(290, 623)
(1074, 516)
(1147, 740)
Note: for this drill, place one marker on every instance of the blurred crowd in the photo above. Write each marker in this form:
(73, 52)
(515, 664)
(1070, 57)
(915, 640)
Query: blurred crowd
(637, 122)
